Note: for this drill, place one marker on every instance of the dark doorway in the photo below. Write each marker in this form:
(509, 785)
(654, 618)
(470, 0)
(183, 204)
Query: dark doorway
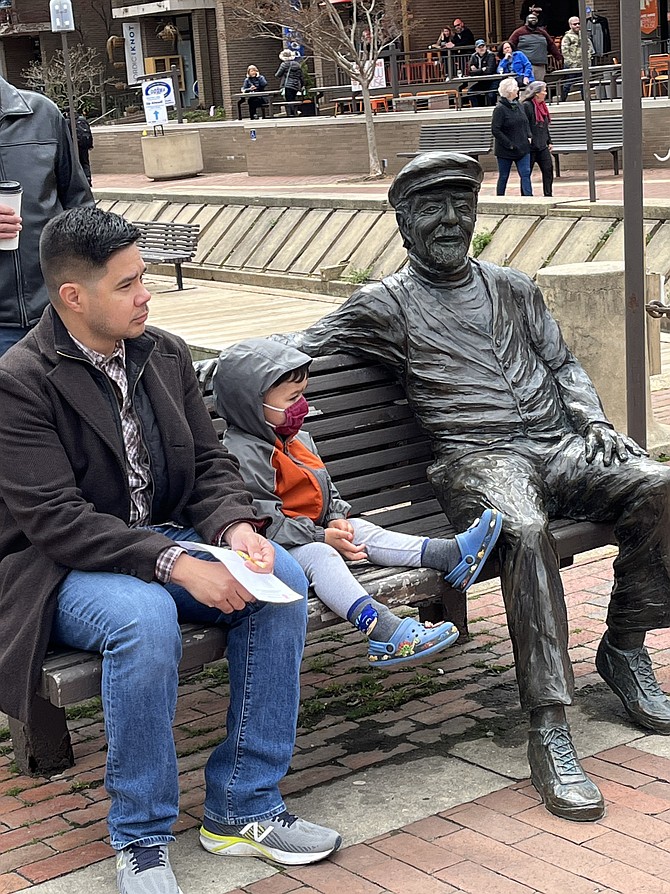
(555, 13)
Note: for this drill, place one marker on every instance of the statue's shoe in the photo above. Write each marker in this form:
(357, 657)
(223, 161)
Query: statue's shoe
(630, 675)
(557, 775)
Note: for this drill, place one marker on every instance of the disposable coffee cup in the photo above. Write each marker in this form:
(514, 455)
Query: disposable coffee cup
(10, 194)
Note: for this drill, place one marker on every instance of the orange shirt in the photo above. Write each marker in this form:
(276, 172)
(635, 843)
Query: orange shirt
(296, 484)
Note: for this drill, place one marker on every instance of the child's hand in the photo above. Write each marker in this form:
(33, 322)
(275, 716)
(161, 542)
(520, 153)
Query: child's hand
(343, 525)
(342, 542)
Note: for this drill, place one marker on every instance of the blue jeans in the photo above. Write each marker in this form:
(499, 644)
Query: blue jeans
(9, 335)
(522, 166)
(576, 77)
(135, 625)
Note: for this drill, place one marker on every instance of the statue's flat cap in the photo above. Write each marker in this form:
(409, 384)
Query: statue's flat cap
(435, 169)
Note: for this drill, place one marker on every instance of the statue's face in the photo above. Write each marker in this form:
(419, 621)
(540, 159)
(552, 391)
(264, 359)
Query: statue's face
(440, 224)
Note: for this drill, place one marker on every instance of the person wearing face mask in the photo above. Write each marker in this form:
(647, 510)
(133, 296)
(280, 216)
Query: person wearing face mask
(259, 389)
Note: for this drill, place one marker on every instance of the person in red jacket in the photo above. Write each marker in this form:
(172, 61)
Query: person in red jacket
(537, 43)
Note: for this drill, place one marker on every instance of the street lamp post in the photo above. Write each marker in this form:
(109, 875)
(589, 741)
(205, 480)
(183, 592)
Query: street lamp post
(588, 117)
(62, 21)
(633, 223)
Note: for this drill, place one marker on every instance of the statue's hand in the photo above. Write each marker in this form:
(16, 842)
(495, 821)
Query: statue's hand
(600, 437)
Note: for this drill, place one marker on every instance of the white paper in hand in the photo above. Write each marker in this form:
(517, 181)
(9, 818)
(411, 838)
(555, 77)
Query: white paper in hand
(264, 587)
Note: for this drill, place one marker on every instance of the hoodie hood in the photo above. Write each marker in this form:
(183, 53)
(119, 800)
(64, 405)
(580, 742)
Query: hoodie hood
(244, 373)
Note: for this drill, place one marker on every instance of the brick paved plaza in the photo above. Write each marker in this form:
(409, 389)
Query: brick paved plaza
(355, 721)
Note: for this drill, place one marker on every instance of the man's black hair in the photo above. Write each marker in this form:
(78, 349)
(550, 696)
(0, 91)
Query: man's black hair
(76, 245)
(299, 374)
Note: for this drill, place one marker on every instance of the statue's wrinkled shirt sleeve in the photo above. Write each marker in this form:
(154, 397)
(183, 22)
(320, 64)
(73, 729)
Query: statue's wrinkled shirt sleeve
(368, 323)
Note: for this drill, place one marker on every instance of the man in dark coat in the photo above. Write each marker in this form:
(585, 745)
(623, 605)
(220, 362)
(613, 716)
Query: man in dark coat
(516, 424)
(109, 457)
(463, 36)
(484, 62)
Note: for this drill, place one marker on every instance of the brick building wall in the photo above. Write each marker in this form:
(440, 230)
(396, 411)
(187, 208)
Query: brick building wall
(94, 25)
(221, 54)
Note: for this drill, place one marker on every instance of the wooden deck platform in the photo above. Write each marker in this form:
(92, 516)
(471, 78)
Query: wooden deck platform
(209, 316)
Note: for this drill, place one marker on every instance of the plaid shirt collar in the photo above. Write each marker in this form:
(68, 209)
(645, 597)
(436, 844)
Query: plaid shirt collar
(100, 360)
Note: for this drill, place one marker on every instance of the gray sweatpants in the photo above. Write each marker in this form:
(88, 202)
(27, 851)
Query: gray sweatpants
(327, 570)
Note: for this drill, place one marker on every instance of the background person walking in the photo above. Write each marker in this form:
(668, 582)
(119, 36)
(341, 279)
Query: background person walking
(511, 132)
(290, 74)
(535, 106)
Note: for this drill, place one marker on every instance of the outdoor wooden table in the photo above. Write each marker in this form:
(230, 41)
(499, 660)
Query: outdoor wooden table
(240, 97)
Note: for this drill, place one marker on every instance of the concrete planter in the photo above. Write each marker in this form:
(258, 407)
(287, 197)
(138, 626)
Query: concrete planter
(174, 154)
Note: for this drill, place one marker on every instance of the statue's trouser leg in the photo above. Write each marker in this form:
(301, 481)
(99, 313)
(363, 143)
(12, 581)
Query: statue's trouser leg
(635, 495)
(531, 583)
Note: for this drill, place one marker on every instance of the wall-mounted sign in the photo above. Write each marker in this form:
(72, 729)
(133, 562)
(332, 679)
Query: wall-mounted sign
(134, 51)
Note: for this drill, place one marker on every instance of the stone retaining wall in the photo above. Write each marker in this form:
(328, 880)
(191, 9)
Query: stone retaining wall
(284, 242)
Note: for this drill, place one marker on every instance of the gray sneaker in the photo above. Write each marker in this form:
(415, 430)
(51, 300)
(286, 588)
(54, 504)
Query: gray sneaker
(284, 839)
(145, 870)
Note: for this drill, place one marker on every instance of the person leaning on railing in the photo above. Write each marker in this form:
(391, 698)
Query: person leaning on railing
(483, 62)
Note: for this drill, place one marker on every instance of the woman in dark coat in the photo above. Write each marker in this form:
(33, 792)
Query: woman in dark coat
(255, 83)
(511, 131)
(535, 106)
(290, 73)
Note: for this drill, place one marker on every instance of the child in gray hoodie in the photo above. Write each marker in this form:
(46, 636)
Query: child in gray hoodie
(259, 389)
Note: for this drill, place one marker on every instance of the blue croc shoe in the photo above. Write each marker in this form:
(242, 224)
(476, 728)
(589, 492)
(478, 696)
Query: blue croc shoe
(475, 545)
(411, 640)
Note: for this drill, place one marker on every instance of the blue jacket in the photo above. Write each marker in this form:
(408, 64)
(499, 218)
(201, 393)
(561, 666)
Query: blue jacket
(518, 66)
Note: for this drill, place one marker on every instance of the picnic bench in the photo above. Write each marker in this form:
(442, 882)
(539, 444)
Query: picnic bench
(167, 242)
(378, 456)
(305, 107)
(568, 135)
(469, 137)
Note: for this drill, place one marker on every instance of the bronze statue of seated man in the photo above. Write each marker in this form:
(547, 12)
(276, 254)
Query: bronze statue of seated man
(516, 424)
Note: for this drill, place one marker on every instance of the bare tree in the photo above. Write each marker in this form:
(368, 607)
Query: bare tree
(86, 69)
(353, 40)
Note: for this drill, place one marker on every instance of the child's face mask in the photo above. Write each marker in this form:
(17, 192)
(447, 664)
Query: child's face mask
(294, 416)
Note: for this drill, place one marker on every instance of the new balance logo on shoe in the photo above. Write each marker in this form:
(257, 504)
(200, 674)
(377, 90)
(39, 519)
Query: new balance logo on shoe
(255, 831)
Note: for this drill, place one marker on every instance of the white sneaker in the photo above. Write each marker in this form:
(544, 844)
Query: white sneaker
(284, 839)
(145, 870)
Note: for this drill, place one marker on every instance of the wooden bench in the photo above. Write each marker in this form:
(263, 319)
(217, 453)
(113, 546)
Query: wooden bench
(568, 135)
(166, 242)
(378, 457)
(305, 107)
(434, 99)
(469, 137)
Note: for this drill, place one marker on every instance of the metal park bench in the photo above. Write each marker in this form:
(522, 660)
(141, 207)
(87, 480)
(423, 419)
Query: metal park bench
(378, 457)
(568, 135)
(469, 137)
(166, 242)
